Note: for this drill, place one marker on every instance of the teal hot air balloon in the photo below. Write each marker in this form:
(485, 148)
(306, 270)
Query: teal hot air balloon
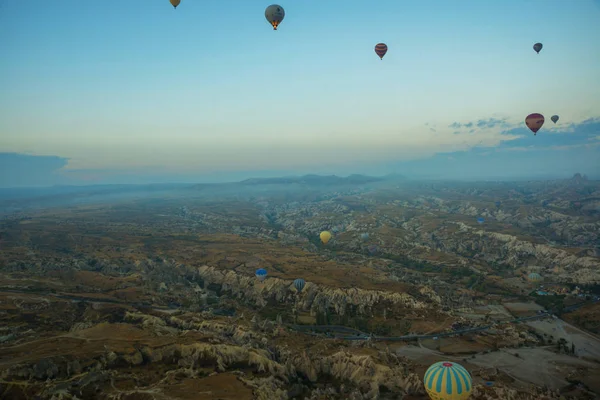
(534, 277)
(364, 236)
(447, 380)
(299, 284)
(261, 274)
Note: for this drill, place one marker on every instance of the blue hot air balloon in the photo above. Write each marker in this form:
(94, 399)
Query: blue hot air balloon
(498, 204)
(446, 380)
(261, 274)
(480, 220)
(299, 284)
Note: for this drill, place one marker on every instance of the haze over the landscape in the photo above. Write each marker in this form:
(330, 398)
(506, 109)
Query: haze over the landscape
(100, 92)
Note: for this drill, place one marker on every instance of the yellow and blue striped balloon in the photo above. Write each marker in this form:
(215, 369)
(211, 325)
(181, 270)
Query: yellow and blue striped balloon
(446, 380)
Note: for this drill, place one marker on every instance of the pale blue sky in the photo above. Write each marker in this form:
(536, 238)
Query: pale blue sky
(137, 91)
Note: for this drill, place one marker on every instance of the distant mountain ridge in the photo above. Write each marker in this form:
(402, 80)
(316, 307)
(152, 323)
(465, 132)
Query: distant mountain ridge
(312, 179)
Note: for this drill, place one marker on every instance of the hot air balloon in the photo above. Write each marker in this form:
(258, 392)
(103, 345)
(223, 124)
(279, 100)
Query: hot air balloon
(175, 3)
(534, 277)
(381, 49)
(299, 284)
(325, 236)
(480, 220)
(274, 14)
(261, 274)
(554, 118)
(364, 236)
(446, 380)
(372, 249)
(534, 122)
(498, 204)
(538, 47)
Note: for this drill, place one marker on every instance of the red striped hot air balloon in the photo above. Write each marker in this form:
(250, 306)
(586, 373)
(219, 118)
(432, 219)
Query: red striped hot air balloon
(381, 49)
(534, 122)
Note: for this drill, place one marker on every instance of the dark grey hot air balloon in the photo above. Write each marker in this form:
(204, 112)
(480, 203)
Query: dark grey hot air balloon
(299, 284)
(538, 47)
(554, 118)
(274, 14)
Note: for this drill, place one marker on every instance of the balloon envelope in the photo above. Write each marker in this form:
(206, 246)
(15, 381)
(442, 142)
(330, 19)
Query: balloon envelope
(325, 236)
(538, 47)
(175, 3)
(261, 274)
(534, 122)
(480, 220)
(274, 14)
(381, 49)
(372, 249)
(534, 277)
(447, 380)
(554, 118)
(299, 284)
(364, 236)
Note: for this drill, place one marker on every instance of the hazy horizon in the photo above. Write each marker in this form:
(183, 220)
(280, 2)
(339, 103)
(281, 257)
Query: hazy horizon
(142, 93)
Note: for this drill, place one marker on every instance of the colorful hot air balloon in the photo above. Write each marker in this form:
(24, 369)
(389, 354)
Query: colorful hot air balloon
(446, 380)
(274, 14)
(325, 236)
(554, 118)
(534, 122)
(534, 277)
(480, 220)
(538, 47)
(175, 3)
(381, 49)
(299, 284)
(261, 274)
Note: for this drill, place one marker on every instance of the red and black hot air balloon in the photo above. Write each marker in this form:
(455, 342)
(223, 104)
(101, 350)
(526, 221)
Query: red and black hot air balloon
(381, 49)
(534, 122)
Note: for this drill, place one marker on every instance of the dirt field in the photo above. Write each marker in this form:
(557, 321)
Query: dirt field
(587, 317)
(523, 309)
(538, 366)
(586, 345)
(496, 313)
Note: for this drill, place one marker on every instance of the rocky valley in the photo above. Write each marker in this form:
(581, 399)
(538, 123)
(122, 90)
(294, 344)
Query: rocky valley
(150, 292)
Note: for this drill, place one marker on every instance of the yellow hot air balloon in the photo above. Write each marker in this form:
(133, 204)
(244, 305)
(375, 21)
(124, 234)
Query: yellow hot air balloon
(447, 380)
(175, 3)
(325, 236)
